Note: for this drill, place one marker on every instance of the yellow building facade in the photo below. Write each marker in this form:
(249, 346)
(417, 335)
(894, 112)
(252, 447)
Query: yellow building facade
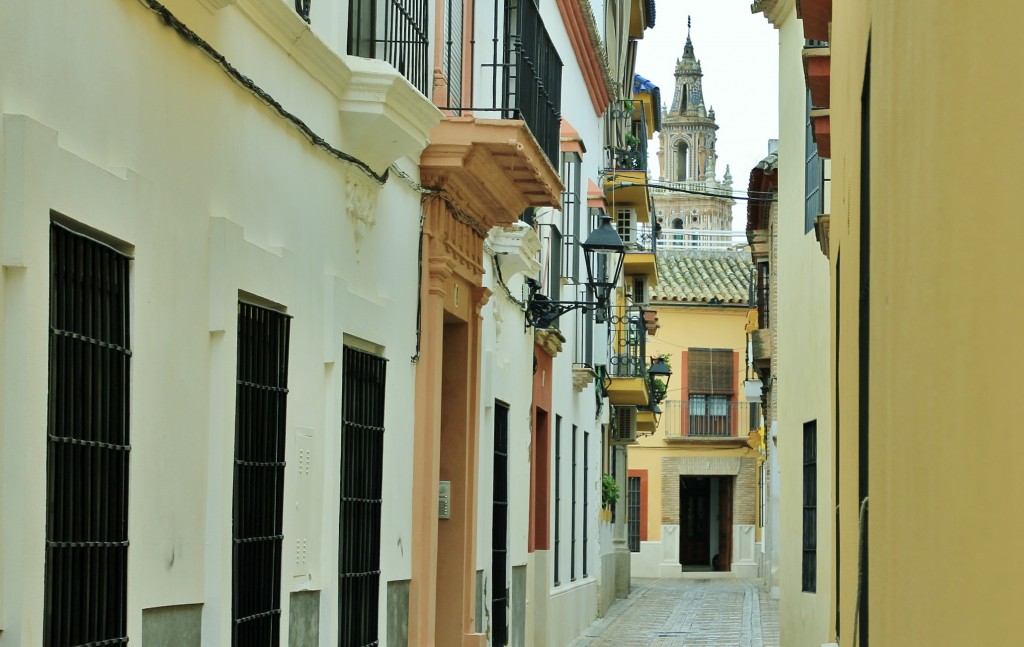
(692, 494)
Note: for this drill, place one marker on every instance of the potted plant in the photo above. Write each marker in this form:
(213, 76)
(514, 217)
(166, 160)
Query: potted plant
(609, 491)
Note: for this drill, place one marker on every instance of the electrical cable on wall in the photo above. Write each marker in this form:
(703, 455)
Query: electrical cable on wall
(194, 39)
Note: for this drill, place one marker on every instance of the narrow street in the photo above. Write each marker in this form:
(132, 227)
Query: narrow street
(687, 613)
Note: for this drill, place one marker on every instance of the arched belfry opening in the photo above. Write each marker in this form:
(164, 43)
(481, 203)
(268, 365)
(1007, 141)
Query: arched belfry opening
(682, 161)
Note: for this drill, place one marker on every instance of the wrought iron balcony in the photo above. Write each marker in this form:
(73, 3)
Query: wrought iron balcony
(394, 31)
(708, 416)
(631, 153)
(525, 73)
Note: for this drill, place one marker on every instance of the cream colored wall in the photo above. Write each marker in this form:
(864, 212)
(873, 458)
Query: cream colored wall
(801, 365)
(944, 530)
(120, 125)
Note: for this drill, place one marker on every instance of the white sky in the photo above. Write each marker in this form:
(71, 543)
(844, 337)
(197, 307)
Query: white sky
(738, 52)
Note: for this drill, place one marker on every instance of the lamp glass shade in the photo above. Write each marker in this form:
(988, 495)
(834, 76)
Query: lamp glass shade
(603, 253)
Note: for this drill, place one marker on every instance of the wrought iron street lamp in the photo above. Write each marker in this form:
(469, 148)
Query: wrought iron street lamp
(603, 253)
(659, 370)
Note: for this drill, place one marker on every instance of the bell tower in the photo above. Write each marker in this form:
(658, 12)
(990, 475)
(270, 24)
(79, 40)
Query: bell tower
(687, 156)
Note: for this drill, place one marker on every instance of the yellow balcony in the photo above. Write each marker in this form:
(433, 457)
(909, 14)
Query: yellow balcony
(641, 264)
(628, 189)
(645, 422)
(626, 391)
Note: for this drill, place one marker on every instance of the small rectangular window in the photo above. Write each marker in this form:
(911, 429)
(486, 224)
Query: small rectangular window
(572, 518)
(499, 532)
(586, 496)
(633, 513)
(810, 495)
(558, 493)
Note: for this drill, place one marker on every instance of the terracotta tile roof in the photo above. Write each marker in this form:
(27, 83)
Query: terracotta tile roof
(703, 276)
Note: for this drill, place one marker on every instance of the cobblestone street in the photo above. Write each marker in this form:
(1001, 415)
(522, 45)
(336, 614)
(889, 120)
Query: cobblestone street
(688, 613)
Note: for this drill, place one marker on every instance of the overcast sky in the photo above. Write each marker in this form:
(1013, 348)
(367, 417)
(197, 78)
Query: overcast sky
(738, 52)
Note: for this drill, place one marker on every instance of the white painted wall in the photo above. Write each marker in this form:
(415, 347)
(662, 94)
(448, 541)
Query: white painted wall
(129, 130)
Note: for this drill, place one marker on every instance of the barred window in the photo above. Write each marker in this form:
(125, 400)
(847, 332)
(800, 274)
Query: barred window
(499, 532)
(586, 495)
(87, 450)
(260, 407)
(362, 465)
(810, 488)
(558, 493)
(633, 513)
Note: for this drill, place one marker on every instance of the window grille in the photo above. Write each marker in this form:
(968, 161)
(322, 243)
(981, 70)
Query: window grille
(452, 57)
(87, 450)
(571, 213)
(633, 513)
(572, 519)
(362, 463)
(814, 197)
(554, 290)
(526, 73)
(260, 406)
(810, 543)
(763, 295)
(586, 496)
(394, 31)
(558, 493)
(499, 532)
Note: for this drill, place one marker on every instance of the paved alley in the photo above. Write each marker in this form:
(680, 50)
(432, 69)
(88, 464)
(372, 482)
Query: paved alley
(688, 613)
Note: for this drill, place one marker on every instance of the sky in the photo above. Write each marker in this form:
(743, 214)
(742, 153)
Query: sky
(738, 52)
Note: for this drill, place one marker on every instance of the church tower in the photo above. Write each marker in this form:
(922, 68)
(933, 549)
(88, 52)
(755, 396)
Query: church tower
(687, 157)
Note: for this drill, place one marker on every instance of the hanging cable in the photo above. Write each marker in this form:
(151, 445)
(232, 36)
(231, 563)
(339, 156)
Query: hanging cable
(194, 39)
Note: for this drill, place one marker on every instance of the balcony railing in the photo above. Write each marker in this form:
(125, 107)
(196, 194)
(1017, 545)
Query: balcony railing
(394, 31)
(632, 156)
(628, 352)
(706, 416)
(638, 238)
(526, 73)
(701, 239)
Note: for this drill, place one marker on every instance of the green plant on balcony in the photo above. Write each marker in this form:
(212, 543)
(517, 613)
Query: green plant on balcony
(609, 490)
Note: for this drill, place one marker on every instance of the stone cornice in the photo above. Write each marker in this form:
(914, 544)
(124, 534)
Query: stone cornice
(515, 248)
(384, 116)
(492, 169)
(589, 53)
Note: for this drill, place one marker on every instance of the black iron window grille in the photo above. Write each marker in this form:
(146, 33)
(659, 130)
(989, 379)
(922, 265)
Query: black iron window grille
(571, 207)
(260, 408)
(814, 200)
(499, 529)
(763, 295)
(451, 59)
(362, 465)
(526, 73)
(573, 519)
(586, 496)
(633, 513)
(809, 571)
(394, 31)
(87, 448)
(558, 493)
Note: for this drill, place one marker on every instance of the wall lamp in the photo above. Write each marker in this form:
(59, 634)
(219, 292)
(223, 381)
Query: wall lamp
(603, 253)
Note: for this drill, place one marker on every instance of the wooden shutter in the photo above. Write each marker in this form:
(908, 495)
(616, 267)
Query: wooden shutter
(710, 370)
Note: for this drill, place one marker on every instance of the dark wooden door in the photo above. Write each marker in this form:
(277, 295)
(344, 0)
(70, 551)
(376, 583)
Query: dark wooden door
(725, 493)
(694, 520)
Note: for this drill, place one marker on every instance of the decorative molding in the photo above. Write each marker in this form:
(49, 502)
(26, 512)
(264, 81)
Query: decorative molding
(550, 340)
(492, 168)
(216, 5)
(361, 195)
(580, 25)
(582, 376)
(821, 232)
(385, 117)
(515, 248)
